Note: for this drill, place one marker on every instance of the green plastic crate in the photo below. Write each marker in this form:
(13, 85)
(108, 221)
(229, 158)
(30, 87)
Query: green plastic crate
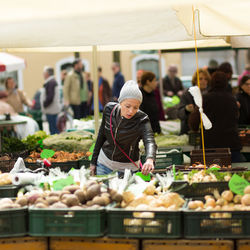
(67, 222)
(203, 224)
(164, 159)
(143, 224)
(13, 222)
(8, 191)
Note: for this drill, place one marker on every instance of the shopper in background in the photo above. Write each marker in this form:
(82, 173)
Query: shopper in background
(149, 104)
(212, 66)
(139, 74)
(172, 85)
(75, 91)
(16, 97)
(244, 73)
(226, 68)
(90, 94)
(221, 108)
(243, 98)
(186, 105)
(118, 81)
(129, 126)
(50, 99)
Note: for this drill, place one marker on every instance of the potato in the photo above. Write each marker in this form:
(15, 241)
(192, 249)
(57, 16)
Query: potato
(52, 199)
(6, 201)
(22, 201)
(90, 183)
(41, 205)
(245, 200)
(227, 195)
(117, 197)
(128, 197)
(6, 205)
(247, 190)
(89, 203)
(106, 199)
(71, 188)
(92, 191)
(208, 197)
(41, 200)
(33, 198)
(55, 193)
(80, 195)
(72, 200)
(76, 207)
(95, 206)
(63, 193)
(58, 205)
(98, 200)
(15, 205)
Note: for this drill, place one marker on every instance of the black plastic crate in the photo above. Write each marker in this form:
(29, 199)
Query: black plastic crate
(164, 159)
(8, 191)
(199, 189)
(67, 222)
(220, 156)
(84, 162)
(13, 222)
(216, 224)
(144, 224)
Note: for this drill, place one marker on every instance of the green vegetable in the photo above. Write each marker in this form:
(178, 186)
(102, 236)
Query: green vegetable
(33, 142)
(12, 144)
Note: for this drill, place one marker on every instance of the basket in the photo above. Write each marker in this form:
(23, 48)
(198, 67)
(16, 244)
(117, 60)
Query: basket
(216, 224)
(13, 222)
(8, 191)
(165, 159)
(199, 189)
(194, 138)
(7, 164)
(220, 156)
(144, 224)
(66, 222)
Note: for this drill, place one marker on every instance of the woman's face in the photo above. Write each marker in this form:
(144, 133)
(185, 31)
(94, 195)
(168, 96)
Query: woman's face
(11, 84)
(246, 87)
(129, 108)
(203, 81)
(152, 84)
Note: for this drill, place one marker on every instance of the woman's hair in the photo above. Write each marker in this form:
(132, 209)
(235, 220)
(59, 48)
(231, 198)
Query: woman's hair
(244, 79)
(6, 82)
(147, 75)
(203, 71)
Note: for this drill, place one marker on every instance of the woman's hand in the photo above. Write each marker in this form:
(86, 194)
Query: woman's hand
(148, 166)
(92, 169)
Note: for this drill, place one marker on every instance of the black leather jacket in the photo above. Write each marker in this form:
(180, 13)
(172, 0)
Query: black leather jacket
(127, 133)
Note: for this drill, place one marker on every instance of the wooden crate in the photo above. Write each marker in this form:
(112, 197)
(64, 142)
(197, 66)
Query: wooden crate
(243, 244)
(68, 243)
(24, 243)
(187, 245)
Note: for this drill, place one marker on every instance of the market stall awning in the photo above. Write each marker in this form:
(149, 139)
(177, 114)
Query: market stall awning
(10, 63)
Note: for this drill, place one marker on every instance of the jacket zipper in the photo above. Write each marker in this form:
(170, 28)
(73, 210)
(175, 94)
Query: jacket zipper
(130, 151)
(115, 138)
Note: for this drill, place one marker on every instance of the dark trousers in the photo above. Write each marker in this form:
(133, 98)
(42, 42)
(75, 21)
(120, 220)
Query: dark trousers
(52, 124)
(80, 111)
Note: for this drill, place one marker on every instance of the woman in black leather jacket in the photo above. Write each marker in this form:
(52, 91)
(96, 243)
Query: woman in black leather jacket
(119, 149)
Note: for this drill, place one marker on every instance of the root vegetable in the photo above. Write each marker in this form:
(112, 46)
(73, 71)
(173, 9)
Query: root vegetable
(117, 197)
(52, 199)
(58, 205)
(98, 200)
(199, 204)
(210, 202)
(221, 202)
(40, 205)
(92, 191)
(22, 201)
(80, 195)
(246, 200)
(227, 195)
(71, 188)
(72, 200)
(247, 190)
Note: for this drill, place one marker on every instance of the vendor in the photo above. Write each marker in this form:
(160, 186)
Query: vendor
(119, 149)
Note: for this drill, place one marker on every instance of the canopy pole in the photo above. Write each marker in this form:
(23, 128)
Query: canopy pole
(198, 81)
(95, 88)
(160, 76)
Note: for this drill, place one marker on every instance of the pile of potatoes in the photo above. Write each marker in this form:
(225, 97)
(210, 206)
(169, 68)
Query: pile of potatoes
(227, 201)
(90, 196)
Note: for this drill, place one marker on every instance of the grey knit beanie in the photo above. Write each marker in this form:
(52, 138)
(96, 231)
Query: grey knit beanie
(130, 90)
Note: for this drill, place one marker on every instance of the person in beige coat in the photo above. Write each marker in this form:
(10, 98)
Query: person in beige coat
(75, 91)
(16, 97)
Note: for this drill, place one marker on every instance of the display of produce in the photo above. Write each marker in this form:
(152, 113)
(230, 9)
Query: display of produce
(226, 201)
(59, 156)
(70, 141)
(12, 144)
(164, 141)
(33, 142)
(5, 179)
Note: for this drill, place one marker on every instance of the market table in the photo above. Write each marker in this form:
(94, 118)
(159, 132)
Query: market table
(8, 123)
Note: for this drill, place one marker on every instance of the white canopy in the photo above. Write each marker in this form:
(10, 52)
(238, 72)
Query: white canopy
(10, 63)
(78, 23)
